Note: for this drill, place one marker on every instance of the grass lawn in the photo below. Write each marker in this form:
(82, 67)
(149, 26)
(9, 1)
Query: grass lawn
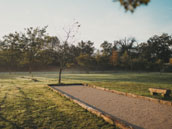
(29, 104)
(136, 83)
(25, 103)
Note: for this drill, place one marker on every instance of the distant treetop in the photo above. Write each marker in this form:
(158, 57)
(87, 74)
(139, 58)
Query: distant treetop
(131, 5)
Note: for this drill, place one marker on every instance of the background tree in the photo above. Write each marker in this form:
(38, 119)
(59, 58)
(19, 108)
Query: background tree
(32, 44)
(85, 61)
(35, 49)
(160, 47)
(125, 60)
(170, 61)
(2, 55)
(106, 48)
(49, 55)
(106, 53)
(11, 50)
(114, 59)
(125, 45)
(86, 47)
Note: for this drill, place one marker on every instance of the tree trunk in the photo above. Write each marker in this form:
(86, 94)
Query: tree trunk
(60, 73)
(9, 70)
(30, 69)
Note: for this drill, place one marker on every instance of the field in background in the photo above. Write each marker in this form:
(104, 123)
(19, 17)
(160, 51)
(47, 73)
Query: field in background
(27, 103)
(137, 83)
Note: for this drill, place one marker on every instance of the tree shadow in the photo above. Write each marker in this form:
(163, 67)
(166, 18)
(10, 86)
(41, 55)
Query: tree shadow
(28, 120)
(15, 126)
(28, 104)
(3, 100)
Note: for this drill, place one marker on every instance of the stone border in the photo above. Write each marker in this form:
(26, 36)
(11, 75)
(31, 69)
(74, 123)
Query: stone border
(131, 95)
(105, 116)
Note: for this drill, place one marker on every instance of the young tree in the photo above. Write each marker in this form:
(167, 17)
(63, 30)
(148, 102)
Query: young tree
(64, 48)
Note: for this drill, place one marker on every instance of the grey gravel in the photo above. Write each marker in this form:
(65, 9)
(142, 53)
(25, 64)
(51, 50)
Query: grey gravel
(142, 114)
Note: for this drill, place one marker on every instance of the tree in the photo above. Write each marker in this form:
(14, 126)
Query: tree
(139, 63)
(114, 58)
(52, 42)
(32, 44)
(65, 46)
(170, 61)
(86, 47)
(157, 50)
(85, 60)
(125, 45)
(2, 55)
(47, 58)
(125, 60)
(49, 55)
(160, 47)
(131, 5)
(11, 50)
(106, 53)
(106, 48)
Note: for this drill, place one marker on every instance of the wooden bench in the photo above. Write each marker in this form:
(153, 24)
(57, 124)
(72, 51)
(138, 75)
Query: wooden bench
(163, 92)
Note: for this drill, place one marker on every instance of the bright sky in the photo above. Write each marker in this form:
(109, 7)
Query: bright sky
(100, 19)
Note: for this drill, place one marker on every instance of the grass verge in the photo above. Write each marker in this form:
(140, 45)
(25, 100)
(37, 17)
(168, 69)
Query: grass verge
(26, 103)
(136, 83)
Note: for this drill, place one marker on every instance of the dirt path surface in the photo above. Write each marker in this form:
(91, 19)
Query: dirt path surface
(141, 114)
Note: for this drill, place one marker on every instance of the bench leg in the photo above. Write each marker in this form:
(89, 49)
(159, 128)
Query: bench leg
(153, 93)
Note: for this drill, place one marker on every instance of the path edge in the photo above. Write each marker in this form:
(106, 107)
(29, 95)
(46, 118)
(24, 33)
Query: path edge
(130, 95)
(98, 113)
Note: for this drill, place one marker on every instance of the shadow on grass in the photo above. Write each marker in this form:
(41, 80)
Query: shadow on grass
(28, 104)
(14, 125)
(3, 100)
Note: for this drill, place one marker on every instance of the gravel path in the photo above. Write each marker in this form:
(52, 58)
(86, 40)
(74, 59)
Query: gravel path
(140, 113)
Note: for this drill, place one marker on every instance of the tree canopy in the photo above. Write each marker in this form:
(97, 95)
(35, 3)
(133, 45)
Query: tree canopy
(131, 5)
(34, 49)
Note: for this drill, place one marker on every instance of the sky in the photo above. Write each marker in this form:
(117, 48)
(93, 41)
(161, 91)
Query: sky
(100, 19)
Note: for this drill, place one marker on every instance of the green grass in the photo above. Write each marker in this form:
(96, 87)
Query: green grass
(136, 83)
(26, 104)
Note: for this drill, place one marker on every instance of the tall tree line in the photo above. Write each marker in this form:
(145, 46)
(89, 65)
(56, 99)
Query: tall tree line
(34, 49)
